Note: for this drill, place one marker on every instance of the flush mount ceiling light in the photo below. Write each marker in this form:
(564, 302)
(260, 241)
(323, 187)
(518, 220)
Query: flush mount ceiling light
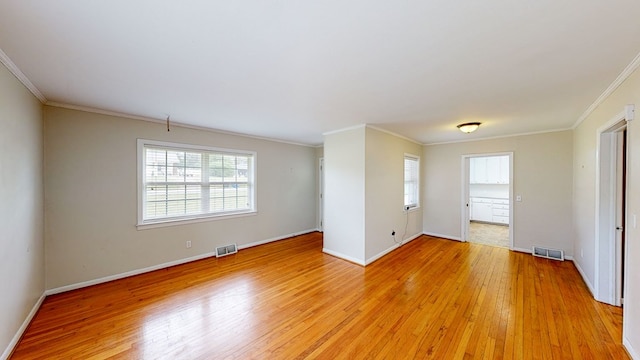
(469, 127)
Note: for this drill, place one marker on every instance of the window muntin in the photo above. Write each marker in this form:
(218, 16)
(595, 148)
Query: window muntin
(182, 182)
(411, 181)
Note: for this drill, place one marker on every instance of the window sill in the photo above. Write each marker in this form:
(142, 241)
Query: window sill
(174, 222)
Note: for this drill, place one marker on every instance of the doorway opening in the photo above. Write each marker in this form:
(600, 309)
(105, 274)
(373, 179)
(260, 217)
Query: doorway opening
(321, 195)
(611, 217)
(487, 199)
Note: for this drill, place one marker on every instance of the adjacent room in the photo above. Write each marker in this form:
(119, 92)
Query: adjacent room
(319, 180)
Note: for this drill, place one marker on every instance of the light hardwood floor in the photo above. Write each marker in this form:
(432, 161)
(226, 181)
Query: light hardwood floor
(432, 298)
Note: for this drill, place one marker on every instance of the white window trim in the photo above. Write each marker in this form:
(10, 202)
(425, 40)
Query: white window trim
(188, 219)
(409, 208)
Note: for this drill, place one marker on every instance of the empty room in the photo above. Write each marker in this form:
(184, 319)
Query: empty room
(319, 180)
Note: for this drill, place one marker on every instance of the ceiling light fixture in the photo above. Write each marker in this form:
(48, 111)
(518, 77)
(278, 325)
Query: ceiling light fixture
(469, 127)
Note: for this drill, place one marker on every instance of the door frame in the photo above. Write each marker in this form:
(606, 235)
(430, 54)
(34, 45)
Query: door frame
(464, 204)
(321, 194)
(607, 261)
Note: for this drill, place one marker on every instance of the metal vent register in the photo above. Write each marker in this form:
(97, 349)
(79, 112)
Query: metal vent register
(226, 250)
(548, 253)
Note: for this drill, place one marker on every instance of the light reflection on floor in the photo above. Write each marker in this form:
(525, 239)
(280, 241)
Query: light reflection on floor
(203, 321)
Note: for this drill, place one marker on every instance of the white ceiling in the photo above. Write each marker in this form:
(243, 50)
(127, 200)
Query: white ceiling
(293, 70)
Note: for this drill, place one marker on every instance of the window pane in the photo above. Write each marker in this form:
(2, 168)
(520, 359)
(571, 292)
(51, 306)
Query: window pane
(155, 193)
(193, 206)
(176, 192)
(175, 182)
(411, 181)
(175, 207)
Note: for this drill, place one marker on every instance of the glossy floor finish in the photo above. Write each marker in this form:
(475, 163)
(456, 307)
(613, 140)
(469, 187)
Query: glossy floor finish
(432, 298)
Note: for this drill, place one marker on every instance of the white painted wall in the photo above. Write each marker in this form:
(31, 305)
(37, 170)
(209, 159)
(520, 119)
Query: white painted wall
(344, 194)
(384, 196)
(21, 208)
(542, 176)
(584, 190)
(91, 199)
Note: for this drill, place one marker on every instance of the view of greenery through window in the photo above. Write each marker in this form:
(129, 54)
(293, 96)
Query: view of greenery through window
(185, 182)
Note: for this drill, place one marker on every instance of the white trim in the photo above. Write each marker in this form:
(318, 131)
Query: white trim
(632, 352)
(320, 195)
(497, 137)
(193, 220)
(522, 250)
(392, 248)
(584, 276)
(392, 134)
(200, 217)
(13, 68)
(349, 128)
(105, 279)
(446, 237)
(173, 123)
(633, 65)
(465, 190)
(7, 352)
(601, 293)
(343, 256)
(277, 238)
(416, 158)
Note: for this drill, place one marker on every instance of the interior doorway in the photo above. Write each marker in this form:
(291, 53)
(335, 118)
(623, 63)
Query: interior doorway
(487, 199)
(611, 203)
(321, 195)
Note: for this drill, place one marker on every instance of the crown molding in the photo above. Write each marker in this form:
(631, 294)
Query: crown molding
(164, 121)
(633, 65)
(369, 126)
(393, 134)
(498, 137)
(359, 126)
(13, 68)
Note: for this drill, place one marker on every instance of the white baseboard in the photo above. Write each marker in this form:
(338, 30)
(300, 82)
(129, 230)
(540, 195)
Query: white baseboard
(448, 237)
(632, 352)
(7, 352)
(343, 256)
(522, 250)
(393, 247)
(584, 278)
(162, 266)
(262, 242)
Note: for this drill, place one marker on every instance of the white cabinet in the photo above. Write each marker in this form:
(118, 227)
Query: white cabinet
(481, 210)
(489, 210)
(489, 170)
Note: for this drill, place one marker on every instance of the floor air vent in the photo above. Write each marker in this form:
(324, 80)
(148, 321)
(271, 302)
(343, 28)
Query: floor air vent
(226, 250)
(548, 253)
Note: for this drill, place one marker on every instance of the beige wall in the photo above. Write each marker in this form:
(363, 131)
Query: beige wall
(364, 194)
(21, 208)
(584, 188)
(384, 196)
(542, 175)
(91, 197)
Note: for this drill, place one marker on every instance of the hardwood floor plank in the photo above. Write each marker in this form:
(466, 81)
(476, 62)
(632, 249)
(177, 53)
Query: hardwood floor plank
(432, 298)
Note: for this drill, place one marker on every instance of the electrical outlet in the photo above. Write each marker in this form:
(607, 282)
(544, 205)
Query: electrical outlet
(188, 244)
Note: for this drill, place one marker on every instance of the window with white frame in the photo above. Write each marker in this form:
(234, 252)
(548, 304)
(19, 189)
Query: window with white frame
(183, 182)
(411, 181)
